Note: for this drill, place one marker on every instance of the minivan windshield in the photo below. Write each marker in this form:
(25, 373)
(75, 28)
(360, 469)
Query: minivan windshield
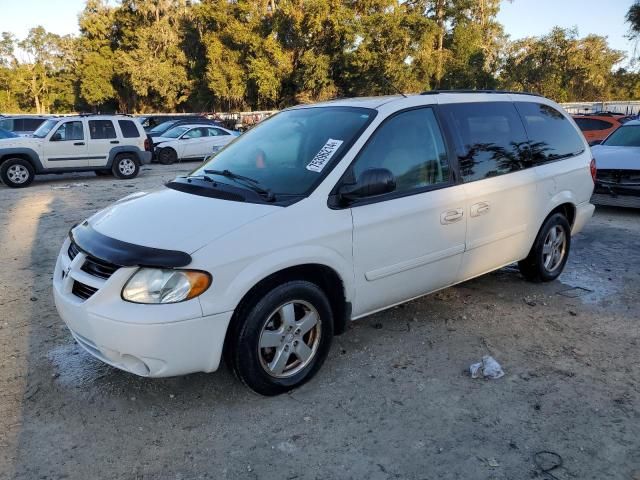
(44, 129)
(626, 136)
(288, 153)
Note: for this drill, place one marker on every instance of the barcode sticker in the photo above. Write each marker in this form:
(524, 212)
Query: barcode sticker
(324, 155)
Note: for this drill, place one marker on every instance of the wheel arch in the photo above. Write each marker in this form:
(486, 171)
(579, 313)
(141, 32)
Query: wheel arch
(115, 151)
(24, 153)
(324, 276)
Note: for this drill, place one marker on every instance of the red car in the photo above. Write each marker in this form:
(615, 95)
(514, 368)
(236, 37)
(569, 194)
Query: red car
(598, 126)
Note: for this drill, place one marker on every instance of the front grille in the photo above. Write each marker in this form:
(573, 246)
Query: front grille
(98, 268)
(93, 266)
(73, 251)
(82, 290)
(621, 177)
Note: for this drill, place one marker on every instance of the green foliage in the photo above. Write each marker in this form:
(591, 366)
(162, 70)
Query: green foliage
(163, 55)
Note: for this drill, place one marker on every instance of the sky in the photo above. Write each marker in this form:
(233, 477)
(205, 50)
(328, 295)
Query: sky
(521, 18)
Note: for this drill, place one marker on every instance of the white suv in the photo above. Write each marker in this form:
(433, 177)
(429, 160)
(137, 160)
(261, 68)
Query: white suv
(102, 143)
(320, 215)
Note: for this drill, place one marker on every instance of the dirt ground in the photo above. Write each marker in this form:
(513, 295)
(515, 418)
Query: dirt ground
(394, 399)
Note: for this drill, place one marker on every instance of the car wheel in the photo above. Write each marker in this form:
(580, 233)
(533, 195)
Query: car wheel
(102, 173)
(125, 166)
(167, 156)
(17, 173)
(550, 251)
(281, 340)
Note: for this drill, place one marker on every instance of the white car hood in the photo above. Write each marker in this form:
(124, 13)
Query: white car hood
(157, 140)
(616, 158)
(173, 220)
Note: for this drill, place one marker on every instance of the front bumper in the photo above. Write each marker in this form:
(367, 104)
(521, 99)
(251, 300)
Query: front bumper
(148, 340)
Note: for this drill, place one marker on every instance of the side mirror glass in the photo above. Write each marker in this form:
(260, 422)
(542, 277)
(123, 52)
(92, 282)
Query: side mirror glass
(371, 182)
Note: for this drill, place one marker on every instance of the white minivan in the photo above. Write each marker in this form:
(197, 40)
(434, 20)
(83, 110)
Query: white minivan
(320, 215)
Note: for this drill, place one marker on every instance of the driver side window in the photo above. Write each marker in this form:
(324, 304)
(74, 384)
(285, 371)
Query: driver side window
(196, 133)
(68, 131)
(411, 147)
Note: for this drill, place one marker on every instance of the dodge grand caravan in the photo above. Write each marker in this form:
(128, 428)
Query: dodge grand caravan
(320, 215)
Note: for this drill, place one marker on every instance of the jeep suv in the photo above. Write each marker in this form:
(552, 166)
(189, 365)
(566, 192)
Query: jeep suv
(105, 144)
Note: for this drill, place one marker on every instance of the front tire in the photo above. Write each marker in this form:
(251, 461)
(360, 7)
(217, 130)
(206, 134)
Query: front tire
(167, 156)
(17, 173)
(550, 251)
(279, 341)
(125, 166)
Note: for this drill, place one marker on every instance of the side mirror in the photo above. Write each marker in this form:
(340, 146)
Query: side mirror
(56, 137)
(372, 182)
(595, 142)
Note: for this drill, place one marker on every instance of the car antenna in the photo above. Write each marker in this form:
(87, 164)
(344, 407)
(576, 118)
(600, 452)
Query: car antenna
(389, 83)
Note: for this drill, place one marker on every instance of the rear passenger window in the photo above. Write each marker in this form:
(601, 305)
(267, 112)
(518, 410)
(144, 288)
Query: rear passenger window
(489, 138)
(551, 134)
(101, 129)
(410, 145)
(129, 129)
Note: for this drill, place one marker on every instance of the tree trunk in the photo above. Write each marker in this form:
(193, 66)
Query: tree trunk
(440, 14)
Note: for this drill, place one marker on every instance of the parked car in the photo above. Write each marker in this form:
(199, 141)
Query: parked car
(320, 215)
(22, 124)
(191, 142)
(101, 143)
(162, 128)
(597, 127)
(618, 161)
(6, 134)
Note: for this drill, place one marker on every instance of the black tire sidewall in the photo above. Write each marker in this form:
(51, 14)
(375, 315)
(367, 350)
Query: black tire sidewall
(16, 161)
(116, 171)
(167, 156)
(537, 258)
(244, 357)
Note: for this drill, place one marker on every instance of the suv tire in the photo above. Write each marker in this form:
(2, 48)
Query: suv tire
(550, 251)
(125, 166)
(292, 322)
(167, 156)
(17, 173)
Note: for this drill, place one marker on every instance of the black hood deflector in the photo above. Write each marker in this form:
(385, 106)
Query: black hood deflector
(124, 254)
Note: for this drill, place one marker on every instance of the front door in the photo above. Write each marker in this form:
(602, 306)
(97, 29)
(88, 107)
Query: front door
(411, 241)
(66, 146)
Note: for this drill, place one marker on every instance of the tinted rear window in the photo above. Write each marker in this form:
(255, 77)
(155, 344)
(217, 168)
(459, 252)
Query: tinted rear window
(32, 124)
(551, 134)
(129, 129)
(489, 138)
(101, 129)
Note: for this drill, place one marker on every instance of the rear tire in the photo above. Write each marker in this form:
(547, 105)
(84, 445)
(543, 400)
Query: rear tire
(550, 251)
(17, 173)
(167, 156)
(280, 340)
(125, 166)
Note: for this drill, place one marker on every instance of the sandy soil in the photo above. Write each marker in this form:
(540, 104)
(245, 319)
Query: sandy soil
(392, 401)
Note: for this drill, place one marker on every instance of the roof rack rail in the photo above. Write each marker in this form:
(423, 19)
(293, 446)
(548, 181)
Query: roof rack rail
(505, 92)
(86, 114)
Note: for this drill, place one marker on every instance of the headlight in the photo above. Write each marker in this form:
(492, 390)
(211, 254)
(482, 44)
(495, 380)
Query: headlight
(155, 285)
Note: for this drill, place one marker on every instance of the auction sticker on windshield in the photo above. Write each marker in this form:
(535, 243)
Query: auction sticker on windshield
(324, 155)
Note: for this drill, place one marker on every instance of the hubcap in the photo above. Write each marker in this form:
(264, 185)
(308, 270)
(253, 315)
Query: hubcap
(554, 248)
(18, 173)
(289, 339)
(126, 166)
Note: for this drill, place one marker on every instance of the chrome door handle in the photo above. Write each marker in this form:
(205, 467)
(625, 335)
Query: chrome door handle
(479, 208)
(451, 216)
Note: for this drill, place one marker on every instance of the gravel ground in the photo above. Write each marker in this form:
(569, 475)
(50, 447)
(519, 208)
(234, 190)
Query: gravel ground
(392, 401)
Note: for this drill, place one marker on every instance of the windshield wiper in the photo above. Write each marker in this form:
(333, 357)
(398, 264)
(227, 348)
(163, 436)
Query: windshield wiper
(248, 182)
